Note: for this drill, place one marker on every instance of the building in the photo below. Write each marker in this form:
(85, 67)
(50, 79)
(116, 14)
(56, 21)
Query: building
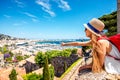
(1, 60)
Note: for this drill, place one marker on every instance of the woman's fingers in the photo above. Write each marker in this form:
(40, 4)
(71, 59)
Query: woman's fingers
(62, 44)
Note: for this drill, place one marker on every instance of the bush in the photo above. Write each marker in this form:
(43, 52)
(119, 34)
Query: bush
(5, 49)
(74, 51)
(26, 56)
(66, 53)
(19, 58)
(32, 76)
(9, 59)
(11, 54)
(13, 75)
(39, 59)
(52, 53)
(56, 53)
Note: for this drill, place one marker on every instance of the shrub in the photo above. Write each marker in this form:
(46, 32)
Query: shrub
(32, 76)
(39, 58)
(5, 49)
(66, 53)
(11, 54)
(26, 56)
(19, 58)
(13, 75)
(52, 53)
(74, 51)
(9, 59)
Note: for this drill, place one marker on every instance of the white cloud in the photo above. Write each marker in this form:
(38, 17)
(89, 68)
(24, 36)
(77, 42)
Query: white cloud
(19, 4)
(30, 15)
(44, 3)
(63, 4)
(17, 24)
(33, 17)
(7, 16)
(50, 12)
(46, 6)
(24, 22)
(35, 20)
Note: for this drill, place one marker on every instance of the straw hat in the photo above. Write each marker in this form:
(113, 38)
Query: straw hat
(95, 26)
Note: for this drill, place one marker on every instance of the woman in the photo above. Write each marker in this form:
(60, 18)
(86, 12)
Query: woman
(100, 49)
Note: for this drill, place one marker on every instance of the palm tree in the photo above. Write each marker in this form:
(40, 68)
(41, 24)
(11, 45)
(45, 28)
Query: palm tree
(118, 16)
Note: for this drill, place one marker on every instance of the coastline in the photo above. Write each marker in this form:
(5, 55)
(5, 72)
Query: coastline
(31, 47)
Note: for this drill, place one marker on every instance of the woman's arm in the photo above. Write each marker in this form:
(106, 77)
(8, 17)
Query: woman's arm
(87, 43)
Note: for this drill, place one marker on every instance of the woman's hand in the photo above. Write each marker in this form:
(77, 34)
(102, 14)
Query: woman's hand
(62, 44)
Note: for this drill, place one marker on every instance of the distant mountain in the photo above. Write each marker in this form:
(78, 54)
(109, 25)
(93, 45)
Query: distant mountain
(7, 37)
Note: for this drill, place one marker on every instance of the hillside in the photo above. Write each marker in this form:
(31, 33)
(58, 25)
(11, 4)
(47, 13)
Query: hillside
(7, 37)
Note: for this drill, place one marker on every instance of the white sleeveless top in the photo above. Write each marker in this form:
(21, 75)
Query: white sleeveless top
(111, 64)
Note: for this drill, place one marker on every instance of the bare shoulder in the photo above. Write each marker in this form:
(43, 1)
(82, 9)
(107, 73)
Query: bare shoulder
(103, 41)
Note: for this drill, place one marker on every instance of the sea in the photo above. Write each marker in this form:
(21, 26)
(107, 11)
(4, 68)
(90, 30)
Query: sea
(57, 42)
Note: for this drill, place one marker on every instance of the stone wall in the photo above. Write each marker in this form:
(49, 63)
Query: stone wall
(29, 67)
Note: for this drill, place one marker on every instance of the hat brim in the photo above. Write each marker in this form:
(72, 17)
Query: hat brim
(86, 26)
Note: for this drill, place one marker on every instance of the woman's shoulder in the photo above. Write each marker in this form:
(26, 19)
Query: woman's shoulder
(103, 41)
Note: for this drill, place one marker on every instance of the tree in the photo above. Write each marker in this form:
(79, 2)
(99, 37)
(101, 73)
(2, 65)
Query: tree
(13, 75)
(46, 73)
(110, 21)
(52, 72)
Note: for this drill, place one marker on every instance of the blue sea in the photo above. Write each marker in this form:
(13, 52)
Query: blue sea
(58, 42)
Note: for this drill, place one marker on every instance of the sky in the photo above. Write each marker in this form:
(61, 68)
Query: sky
(50, 19)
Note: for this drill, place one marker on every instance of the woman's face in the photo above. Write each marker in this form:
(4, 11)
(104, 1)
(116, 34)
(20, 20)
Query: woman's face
(88, 33)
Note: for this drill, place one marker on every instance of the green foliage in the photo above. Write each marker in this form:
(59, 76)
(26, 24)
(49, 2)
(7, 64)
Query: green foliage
(52, 72)
(68, 49)
(19, 58)
(65, 68)
(32, 76)
(46, 73)
(26, 56)
(56, 53)
(74, 51)
(9, 59)
(66, 53)
(11, 54)
(13, 75)
(52, 53)
(39, 58)
(110, 21)
(0, 49)
(4, 49)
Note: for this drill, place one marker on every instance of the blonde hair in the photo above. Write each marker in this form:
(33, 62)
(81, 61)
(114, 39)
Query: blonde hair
(96, 66)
